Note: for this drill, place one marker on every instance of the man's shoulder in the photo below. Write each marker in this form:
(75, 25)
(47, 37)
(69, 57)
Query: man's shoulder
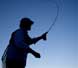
(18, 31)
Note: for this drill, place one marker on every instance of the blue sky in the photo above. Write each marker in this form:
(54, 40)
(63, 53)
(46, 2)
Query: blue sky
(61, 48)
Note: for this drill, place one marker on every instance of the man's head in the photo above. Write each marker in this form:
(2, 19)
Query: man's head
(26, 23)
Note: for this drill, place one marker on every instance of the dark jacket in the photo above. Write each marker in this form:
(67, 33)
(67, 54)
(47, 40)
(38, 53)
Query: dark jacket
(17, 48)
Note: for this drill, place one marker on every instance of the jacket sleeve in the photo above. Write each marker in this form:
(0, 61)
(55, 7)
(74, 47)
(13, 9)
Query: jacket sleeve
(35, 40)
(19, 40)
(30, 41)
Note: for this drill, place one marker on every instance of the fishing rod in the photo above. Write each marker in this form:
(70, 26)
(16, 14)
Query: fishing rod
(55, 19)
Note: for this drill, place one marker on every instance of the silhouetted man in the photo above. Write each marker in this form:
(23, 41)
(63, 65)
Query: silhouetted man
(19, 45)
